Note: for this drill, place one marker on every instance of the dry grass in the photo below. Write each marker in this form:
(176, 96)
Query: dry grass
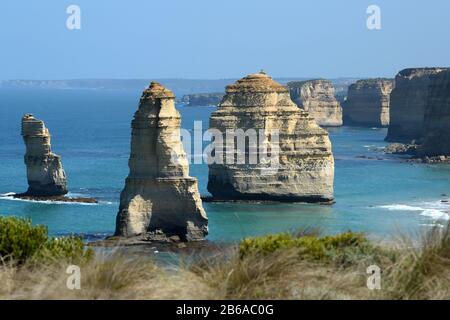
(422, 272)
(411, 272)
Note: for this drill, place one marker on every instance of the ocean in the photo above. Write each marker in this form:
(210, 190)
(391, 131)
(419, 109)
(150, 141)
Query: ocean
(375, 193)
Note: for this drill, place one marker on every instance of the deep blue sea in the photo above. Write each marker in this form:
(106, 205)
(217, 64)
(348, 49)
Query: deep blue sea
(375, 193)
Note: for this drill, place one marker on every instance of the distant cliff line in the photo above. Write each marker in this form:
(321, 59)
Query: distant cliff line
(179, 86)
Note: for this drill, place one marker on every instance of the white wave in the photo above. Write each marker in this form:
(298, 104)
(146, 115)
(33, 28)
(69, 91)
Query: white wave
(436, 210)
(401, 207)
(9, 196)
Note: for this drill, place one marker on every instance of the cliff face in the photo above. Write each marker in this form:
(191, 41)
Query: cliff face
(305, 168)
(408, 104)
(46, 176)
(367, 103)
(436, 140)
(159, 198)
(317, 98)
(202, 99)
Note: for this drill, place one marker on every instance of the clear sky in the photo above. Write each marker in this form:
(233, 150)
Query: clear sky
(213, 39)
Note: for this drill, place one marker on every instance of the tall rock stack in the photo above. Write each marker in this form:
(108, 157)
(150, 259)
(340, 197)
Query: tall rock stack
(160, 200)
(317, 98)
(46, 176)
(408, 104)
(305, 168)
(436, 141)
(367, 103)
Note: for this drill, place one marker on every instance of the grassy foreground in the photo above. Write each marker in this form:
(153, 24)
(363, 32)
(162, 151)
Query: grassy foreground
(280, 266)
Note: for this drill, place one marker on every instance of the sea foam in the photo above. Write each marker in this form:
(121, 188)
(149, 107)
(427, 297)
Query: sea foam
(435, 210)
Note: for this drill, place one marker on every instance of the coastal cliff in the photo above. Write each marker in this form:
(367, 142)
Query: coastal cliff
(367, 103)
(202, 99)
(317, 97)
(304, 166)
(436, 141)
(45, 174)
(160, 200)
(408, 104)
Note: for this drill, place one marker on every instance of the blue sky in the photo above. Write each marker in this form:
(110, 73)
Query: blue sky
(213, 39)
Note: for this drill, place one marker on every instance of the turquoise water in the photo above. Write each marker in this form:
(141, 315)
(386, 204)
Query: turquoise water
(375, 193)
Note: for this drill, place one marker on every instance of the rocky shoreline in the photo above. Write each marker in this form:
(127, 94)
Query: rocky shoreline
(142, 244)
(413, 150)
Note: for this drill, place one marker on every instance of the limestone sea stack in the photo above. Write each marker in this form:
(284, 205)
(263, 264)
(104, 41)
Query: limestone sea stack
(408, 104)
(305, 168)
(367, 103)
(436, 141)
(160, 200)
(317, 97)
(45, 173)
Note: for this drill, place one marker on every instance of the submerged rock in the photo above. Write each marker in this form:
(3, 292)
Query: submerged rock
(318, 99)
(401, 148)
(301, 165)
(45, 174)
(160, 200)
(367, 103)
(408, 104)
(436, 141)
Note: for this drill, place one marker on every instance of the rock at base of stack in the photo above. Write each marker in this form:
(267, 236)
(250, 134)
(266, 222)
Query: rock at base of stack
(317, 98)
(436, 141)
(367, 103)
(159, 200)
(305, 167)
(46, 176)
(408, 104)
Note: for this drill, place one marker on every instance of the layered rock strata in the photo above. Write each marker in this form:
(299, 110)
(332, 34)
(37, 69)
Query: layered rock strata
(367, 103)
(45, 174)
(160, 200)
(436, 141)
(301, 165)
(317, 97)
(408, 104)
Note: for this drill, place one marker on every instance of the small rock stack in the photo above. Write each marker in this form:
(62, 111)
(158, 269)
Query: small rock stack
(46, 176)
(160, 200)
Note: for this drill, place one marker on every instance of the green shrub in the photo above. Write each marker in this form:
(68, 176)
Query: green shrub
(310, 247)
(20, 241)
(65, 248)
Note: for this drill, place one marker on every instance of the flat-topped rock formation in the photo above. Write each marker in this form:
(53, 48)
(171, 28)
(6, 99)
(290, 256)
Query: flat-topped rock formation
(367, 103)
(160, 200)
(45, 173)
(202, 99)
(408, 104)
(305, 165)
(317, 97)
(436, 141)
